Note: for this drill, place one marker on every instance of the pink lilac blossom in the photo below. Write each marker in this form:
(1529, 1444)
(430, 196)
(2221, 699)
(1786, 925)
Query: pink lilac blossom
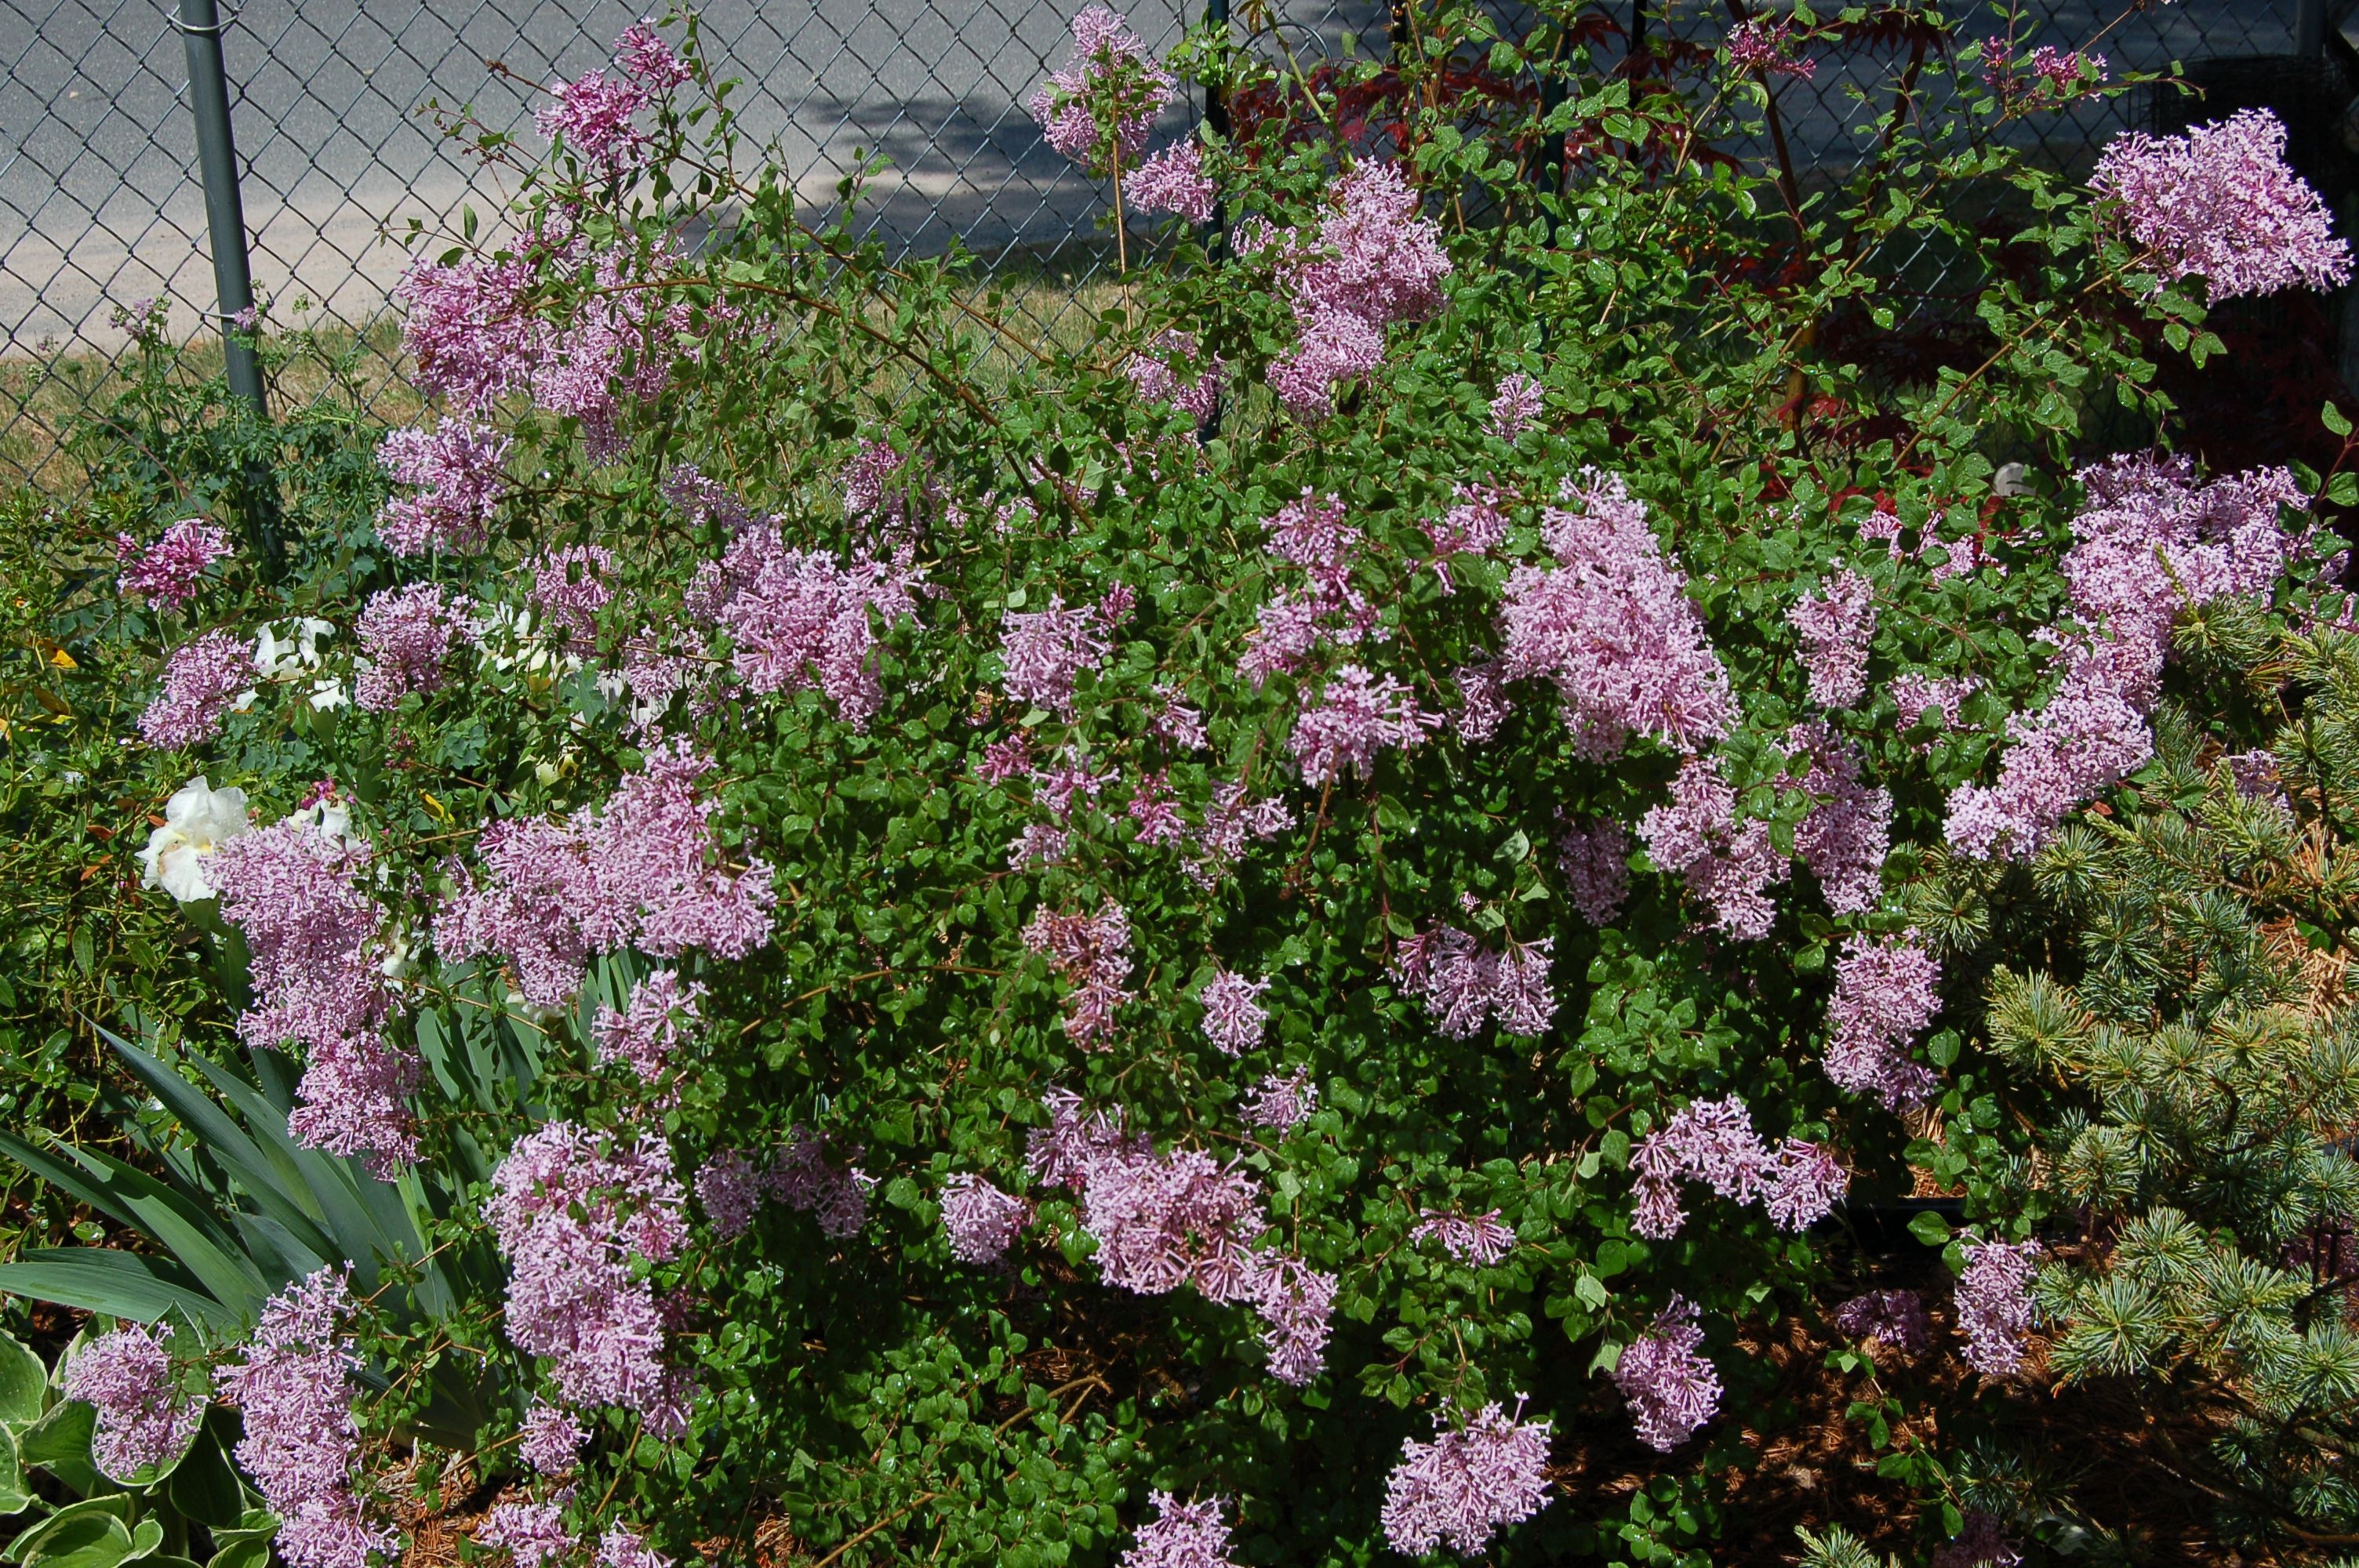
(1234, 817)
(804, 1177)
(1314, 535)
(1092, 953)
(1009, 757)
(1044, 652)
(1173, 181)
(1896, 1318)
(1483, 704)
(459, 472)
(620, 342)
(645, 57)
(1887, 991)
(293, 1385)
(1161, 1221)
(1993, 1301)
(1982, 1541)
(1516, 408)
(1068, 781)
(203, 679)
(884, 488)
(1727, 864)
(169, 571)
(1595, 861)
(1234, 1020)
(1463, 984)
(1612, 627)
(623, 1547)
(533, 1533)
(1713, 1141)
(1076, 1141)
(1915, 695)
(1155, 809)
(1098, 107)
(799, 618)
(474, 342)
(1296, 1303)
(404, 633)
(1280, 1104)
(569, 586)
(980, 1220)
(1670, 1389)
(1473, 1480)
(550, 1440)
(1479, 1239)
(658, 1020)
(571, 1211)
(1157, 379)
(1374, 260)
(1848, 832)
(1178, 724)
(317, 968)
(730, 1188)
(637, 870)
(1356, 716)
(1764, 45)
(2221, 203)
(2089, 738)
(592, 117)
(1836, 624)
(1180, 1535)
(144, 1418)
(1041, 844)
(2062, 69)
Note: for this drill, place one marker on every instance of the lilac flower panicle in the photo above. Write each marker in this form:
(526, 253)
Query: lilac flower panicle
(1233, 1019)
(1295, 1302)
(1356, 716)
(646, 58)
(1159, 378)
(2221, 202)
(1915, 695)
(1280, 1103)
(1099, 106)
(1671, 1390)
(1479, 1239)
(1836, 625)
(169, 571)
(1595, 861)
(1611, 628)
(592, 116)
(1164, 1220)
(1993, 1302)
(1174, 181)
(1463, 984)
(658, 1020)
(1887, 992)
(404, 633)
(1713, 1141)
(550, 1440)
(144, 1417)
(294, 1388)
(1091, 952)
(1848, 832)
(802, 619)
(1761, 44)
(533, 1533)
(623, 1547)
(1180, 1535)
(1373, 260)
(833, 1192)
(1076, 1141)
(1044, 652)
(730, 1188)
(980, 1220)
(1895, 1318)
(204, 678)
(571, 1211)
(458, 471)
(1727, 864)
(1516, 408)
(1468, 1483)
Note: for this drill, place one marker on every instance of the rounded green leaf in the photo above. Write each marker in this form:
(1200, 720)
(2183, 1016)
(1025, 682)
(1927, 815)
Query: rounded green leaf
(85, 1541)
(24, 1383)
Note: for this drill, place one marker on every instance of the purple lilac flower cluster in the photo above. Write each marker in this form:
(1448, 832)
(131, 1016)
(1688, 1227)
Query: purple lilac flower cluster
(144, 1416)
(1479, 1239)
(1474, 1479)
(293, 1387)
(1612, 627)
(1465, 984)
(980, 1220)
(1993, 1299)
(637, 870)
(318, 973)
(1848, 832)
(1044, 652)
(593, 115)
(1896, 1318)
(404, 635)
(2221, 203)
(798, 618)
(1099, 106)
(1836, 624)
(1092, 953)
(1235, 1021)
(1727, 864)
(459, 472)
(1280, 1104)
(1356, 715)
(571, 1211)
(1374, 260)
(1314, 534)
(204, 679)
(1174, 181)
(1669, 1387)
(1887, 990)
(1157, 379)
(1764, 45)
(1180, 1535)
(1712, 1141)
(169, 571)
(1595, 858)
(658, 1020)
(550, 1439)
(834, 1191)
(1517, 406)
(730, 1188)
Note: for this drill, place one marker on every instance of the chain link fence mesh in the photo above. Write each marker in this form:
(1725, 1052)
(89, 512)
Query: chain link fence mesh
(338, 109)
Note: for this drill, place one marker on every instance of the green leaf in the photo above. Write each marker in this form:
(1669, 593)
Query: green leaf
(252, 1552)
(75, 1538)
(16, 1497)
(121, 1284)
(24, 1383)
(2331, 417)
(204, 1487)
(60, 1444)
(1930, 1227)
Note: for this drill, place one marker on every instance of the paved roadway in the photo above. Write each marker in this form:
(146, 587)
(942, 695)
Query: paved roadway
(98, 203)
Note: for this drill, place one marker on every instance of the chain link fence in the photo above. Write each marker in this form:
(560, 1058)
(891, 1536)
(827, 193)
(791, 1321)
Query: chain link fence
(338, 109)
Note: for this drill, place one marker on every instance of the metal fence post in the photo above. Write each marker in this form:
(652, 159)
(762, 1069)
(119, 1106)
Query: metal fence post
(2309, 28)
(199, 25)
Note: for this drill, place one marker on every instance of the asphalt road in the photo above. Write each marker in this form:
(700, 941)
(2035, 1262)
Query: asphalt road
(98, 202)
